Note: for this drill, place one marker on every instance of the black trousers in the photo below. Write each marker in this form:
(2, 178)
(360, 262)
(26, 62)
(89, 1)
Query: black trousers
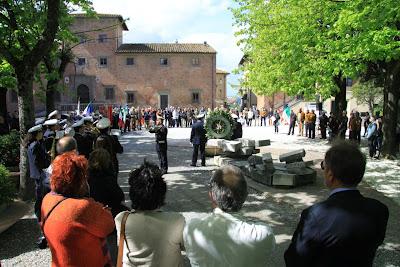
(162, 156)
(323, 132)
(311, 130)
(40, 191)
(202, 154)
(291, 127)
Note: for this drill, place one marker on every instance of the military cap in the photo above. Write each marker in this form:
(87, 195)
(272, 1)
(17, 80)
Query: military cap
(35, 129)
(63, 121)
(234, 116)
(52, 114)
(88, 119)
(77, 124)
(103, 123)
(51, 122)
(39, 121)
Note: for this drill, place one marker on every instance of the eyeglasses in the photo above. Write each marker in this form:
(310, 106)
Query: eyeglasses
(322, 165)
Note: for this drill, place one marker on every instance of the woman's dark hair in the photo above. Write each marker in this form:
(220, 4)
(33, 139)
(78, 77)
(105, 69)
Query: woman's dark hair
(346, 162)
(100, 160)
(147, 187)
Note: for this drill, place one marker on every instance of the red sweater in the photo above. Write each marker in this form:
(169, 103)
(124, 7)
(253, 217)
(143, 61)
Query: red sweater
(76, 231)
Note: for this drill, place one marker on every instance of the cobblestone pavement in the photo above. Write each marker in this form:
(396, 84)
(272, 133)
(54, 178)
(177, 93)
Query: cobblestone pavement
(187, 193)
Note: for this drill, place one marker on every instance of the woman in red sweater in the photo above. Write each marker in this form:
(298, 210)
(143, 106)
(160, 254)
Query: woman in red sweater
(75, 226)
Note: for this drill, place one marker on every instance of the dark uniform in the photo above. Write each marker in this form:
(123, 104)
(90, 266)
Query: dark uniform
(323, 123)
(199, 139)
(113, 146)
(161, 145)
(238, 131)
(84, 143)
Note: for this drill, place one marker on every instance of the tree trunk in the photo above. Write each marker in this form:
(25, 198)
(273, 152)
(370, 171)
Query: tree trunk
(3, 101)
(390, 110)
(50, 90)
(26, 111)
(340, 97)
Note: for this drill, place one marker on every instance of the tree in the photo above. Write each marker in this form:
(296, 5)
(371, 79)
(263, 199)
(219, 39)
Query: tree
(294, 45)
(289, 46)
(30, 28)
(368, 93)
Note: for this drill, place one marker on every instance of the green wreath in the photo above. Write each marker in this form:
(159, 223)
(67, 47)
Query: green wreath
(220, 125)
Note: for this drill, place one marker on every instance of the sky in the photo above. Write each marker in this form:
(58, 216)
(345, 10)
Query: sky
(185, 21)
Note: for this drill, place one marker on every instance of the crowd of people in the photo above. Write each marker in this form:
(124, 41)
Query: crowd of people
(83, 216)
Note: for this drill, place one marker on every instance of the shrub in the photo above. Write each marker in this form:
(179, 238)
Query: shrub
(9, 149)
(7, 188)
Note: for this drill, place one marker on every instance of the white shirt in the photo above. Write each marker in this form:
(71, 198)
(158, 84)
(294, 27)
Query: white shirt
(154, 238)
(226, 239)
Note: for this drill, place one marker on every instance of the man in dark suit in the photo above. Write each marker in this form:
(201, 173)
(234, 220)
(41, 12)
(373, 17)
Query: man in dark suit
(347, 228)
(198, 139)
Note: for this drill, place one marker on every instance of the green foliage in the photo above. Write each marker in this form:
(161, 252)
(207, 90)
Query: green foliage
(300, 46)
(7, 188)
(219, 124)
(7, 79)
(368, 93)
(9, 149)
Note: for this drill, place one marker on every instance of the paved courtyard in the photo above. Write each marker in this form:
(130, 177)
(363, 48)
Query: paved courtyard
(187, 193)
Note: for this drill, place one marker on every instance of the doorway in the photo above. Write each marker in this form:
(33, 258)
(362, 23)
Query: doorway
(163, 101)
(82, 93)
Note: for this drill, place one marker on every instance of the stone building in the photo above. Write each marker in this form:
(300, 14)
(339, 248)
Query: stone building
(220, 94)
(109, 71)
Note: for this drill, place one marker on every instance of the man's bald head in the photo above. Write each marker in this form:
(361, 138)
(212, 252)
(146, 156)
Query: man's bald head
(228, 188)
(66, 144)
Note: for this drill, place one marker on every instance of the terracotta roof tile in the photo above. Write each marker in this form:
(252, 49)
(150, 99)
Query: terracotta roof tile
(166, 48)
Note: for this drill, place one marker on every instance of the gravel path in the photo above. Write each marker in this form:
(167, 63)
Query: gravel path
(187, 193)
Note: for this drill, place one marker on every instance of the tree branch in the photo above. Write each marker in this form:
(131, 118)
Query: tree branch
(12, 22)
(43, 46)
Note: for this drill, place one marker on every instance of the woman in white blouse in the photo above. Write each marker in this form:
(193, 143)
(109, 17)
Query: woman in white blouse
(152, 237)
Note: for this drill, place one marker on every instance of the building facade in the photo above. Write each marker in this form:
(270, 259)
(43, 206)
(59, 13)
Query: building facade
(220, 93)
(107, 71)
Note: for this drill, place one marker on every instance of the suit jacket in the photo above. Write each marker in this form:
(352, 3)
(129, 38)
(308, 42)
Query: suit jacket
(344, 230)
(198, 134)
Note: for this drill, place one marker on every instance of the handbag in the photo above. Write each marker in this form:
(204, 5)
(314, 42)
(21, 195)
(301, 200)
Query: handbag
(122, 239)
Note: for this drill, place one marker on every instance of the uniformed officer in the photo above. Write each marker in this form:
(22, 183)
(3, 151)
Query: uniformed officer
(238, 131)
(161, 142)
(83, 141)
(38, 160)
(53, 115)
(108, 142)
(199, 139)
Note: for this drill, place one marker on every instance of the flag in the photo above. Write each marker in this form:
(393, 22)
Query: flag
(109, 114)
(120, 119)
(88, 110)
(286, 114)
(78, 108)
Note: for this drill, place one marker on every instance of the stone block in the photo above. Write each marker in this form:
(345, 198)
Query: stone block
(309, 163)
(224, 161)
(306, 176)
(256, 151)
(269, 167)
(215, 142)
(246, 151)
(231, 146)
(284, 178)
(261, 177)
(262, 142)
(241, 164)
(292, 156)
(216, 160)
(246, 142)
(266, 157)
(296, 165)
(213, 151)
(255, 159)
